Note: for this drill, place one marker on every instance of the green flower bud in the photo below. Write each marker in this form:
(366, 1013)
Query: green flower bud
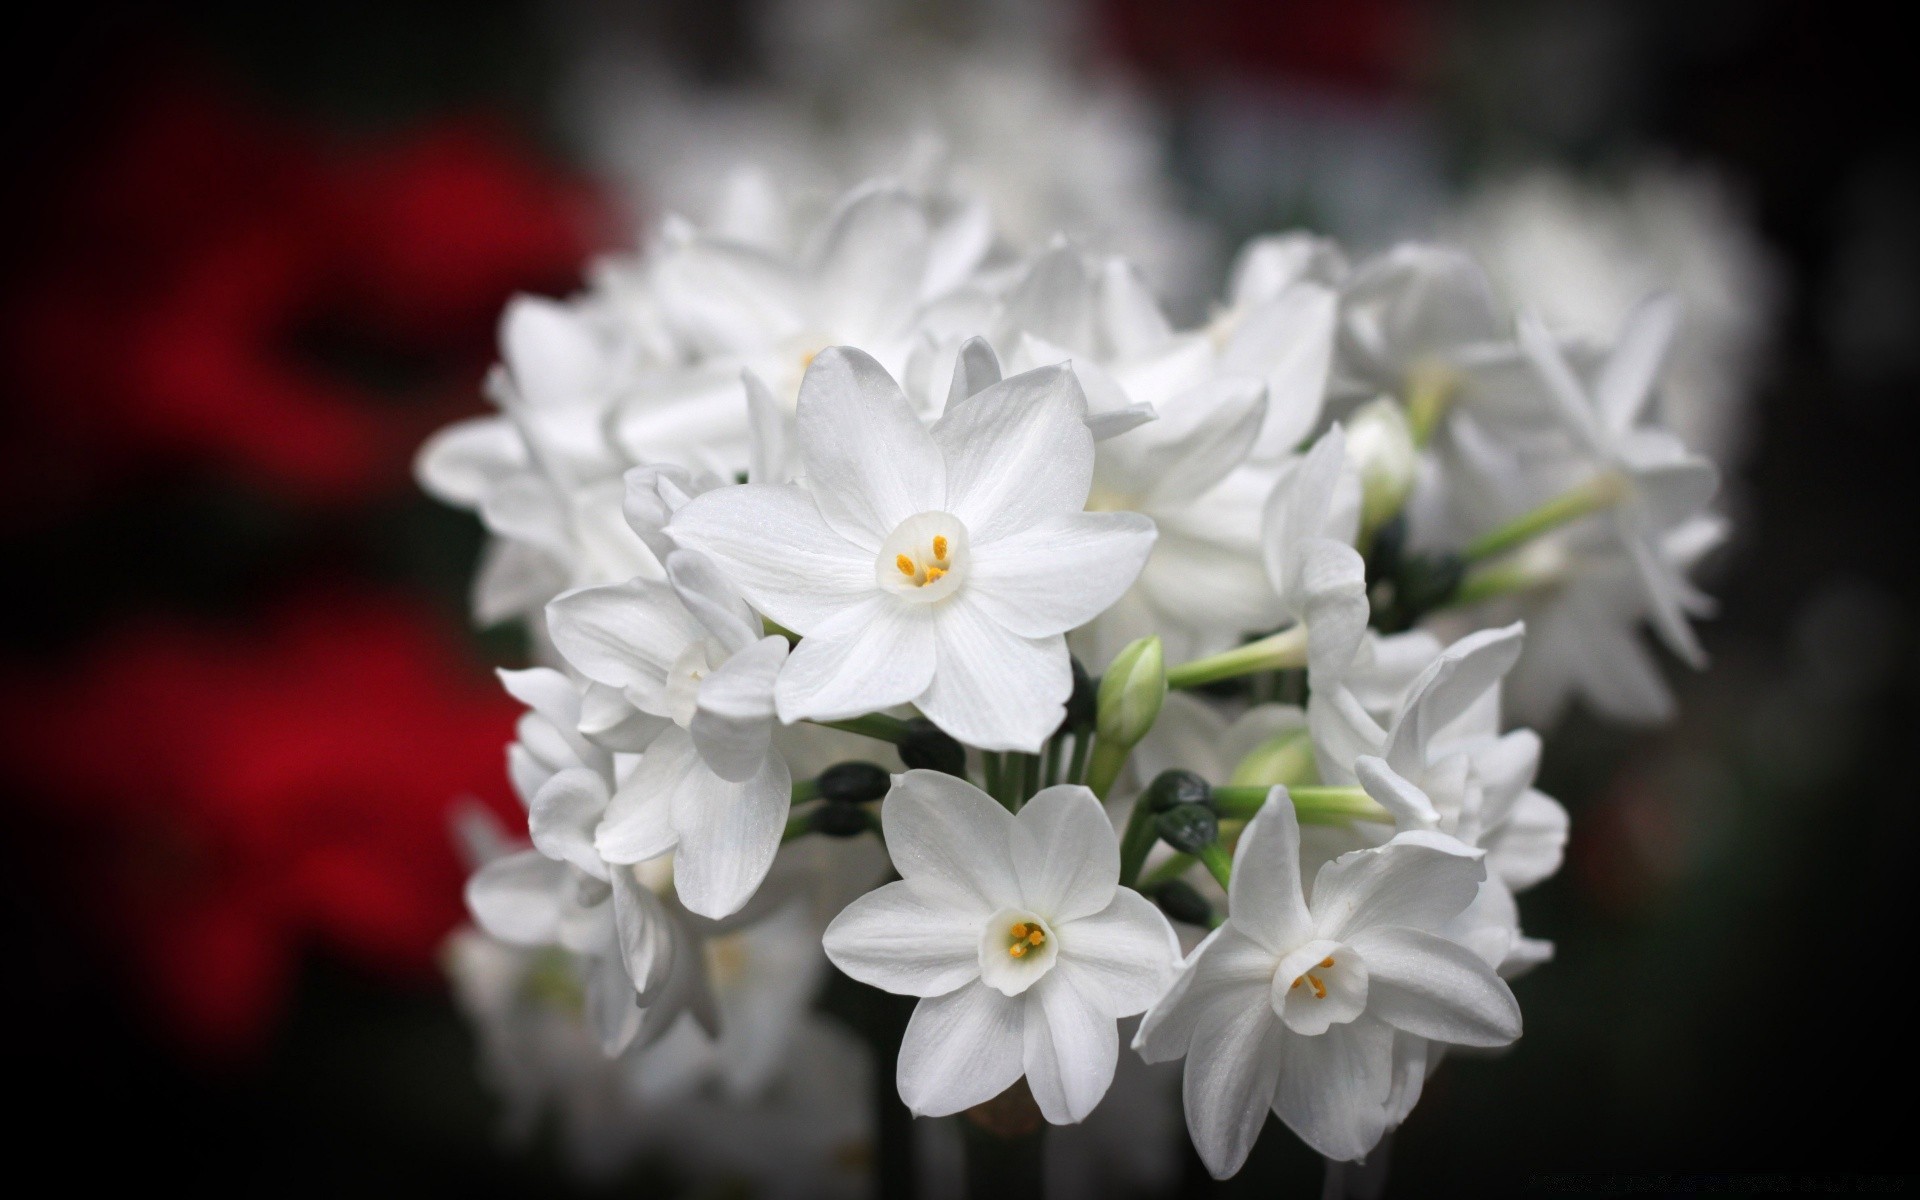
(1190, 828)
(1131, 693)
(839, 818)
(1380, 446)
(928, 748)
(1182, 902)
(854, 782)
(1172, 788)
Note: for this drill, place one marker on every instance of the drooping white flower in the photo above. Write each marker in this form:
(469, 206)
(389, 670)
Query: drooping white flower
(1307, 534)
(709, 787)
(1016, 935)
(938, 567)
(1294, 1004)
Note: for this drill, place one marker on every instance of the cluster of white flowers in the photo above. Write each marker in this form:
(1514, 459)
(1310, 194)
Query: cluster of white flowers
(931, 604)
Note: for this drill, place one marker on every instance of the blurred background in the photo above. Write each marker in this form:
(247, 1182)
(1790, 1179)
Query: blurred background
(259, 254)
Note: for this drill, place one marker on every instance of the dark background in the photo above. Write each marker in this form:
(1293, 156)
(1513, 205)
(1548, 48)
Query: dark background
(1734, 922)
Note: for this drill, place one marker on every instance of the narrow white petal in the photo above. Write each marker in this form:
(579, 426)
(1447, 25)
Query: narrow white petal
(463, 462)
(1233, 1066)
(639, 821)
(772, 543)
(1438, 989)
(1333, 1089)
(1527, 847)
(563, 815)
(872, 656)
(1264, 898)
(1071, 1046)
(1016, 452)
(612, 1010)
(1627, 378)
(1330, 579)
(729, 834)
(1420, 880)
(902, 939)
(1065, 854)
(733, 722)
(947, 836)
(975, 369)
(1128, 948)
(869, 463)
(520, 898)
(1227, 970)
(644, 932)
(625, 635)
(1059, 573)
(707, 594)
(992, 688)
(959, 1050)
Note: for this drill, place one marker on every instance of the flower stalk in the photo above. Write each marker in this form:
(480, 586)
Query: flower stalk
(1601, 492)
(1312, 805)
(1276, 652)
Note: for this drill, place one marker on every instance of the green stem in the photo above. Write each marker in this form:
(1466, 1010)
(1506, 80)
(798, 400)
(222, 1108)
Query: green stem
(1077, 765)
(1108, 758)
(877, 726)
(1050, 769)
(1218, 862)
(805, 790)
(1601, 492)
(1032, 783)
(1276, 652)
(1173, 868)
(1135, 841)
(1313, 805)
(797, 826)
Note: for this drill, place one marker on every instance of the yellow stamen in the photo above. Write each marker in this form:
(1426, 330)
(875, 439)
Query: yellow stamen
(1018, 949)
(934, 573)
(904, 563)
(1326, 962)
(1294, 984)
(1036, 937)
(940, 547)
(1319, 989)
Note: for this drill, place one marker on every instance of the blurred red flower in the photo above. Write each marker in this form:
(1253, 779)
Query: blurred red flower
(212, 284)
(215, 800)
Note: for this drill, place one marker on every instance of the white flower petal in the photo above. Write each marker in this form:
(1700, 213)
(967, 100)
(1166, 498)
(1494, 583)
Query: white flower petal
(612, 1010)
(644, 933)
(945, 835)
(520, 898)
(639, 821)
(1330, 579)
(563, 815)
(1438, 989)
(729, 834)
(1288, 342)
(991, 688)
(1264, 898)
(1065, 854)
(902, 939)
(772, 543)
(460, 464)
(1420, 880)
(625, 635)
(1059, 573)
(975, 369)
(1627, 378)
(959, 1050)
(1071, 1046)
(1015, 453)
(1232, 1067)
(551, 351)
(1527, 847)
(707, 594)
(1128, 948)
(733, 722)
(872, 656)
(868, 461)
(1226, 970)
(1333, 1089)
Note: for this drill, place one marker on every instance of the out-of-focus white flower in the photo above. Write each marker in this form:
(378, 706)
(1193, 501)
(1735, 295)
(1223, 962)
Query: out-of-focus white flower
(1307, 534)
(1015, 934)
(1582, 255)
(939, 567)
(1295, 1005)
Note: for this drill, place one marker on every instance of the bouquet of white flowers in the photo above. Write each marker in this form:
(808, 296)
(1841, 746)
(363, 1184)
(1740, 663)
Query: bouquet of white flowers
(935, 603)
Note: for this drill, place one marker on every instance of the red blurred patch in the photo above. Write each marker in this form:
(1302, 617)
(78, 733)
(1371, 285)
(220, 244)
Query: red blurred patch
(215, 801)
(212, 285)
(1365, 45)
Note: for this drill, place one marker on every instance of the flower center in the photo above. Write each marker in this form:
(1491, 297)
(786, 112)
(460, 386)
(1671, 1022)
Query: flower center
(1017, 949)
(924, 559)
(1024, 937)
(1318, 986)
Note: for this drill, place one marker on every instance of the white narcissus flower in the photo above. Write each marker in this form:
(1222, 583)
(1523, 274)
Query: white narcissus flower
(1665, 485)
(1017, 936)
(1307, 532)
(1407, 313)
(935, 567)
(1295, 1005)
(710, 787)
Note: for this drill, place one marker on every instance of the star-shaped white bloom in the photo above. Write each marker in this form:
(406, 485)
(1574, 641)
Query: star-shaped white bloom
(936, 567)
(1665, 484)
(688, 654)
(1017, 936)
(1295, 1006)
(1307, 534)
